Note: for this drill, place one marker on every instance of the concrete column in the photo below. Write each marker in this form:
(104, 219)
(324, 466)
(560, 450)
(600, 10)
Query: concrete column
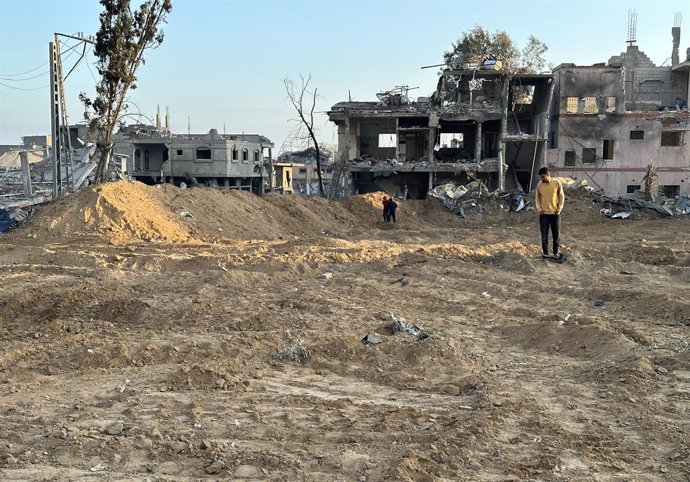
(431, 181)
(502, 135)
(26, 174)
(432, 143)
(397, 138)
(478, 142)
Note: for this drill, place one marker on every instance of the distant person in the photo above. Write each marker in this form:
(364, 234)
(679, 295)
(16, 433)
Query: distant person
(549, 200)
(385, 209)
(392, 207)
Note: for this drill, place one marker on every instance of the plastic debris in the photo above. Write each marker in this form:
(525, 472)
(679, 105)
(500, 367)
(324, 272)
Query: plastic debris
(399, 325)
(370, 340)
(98, 468)
(565, 320)
(599, 304)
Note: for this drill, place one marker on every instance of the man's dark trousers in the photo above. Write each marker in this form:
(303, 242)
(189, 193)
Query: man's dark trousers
(552, 221)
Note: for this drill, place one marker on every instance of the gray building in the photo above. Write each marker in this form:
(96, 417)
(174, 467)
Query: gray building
(237, 161)
(611, 120)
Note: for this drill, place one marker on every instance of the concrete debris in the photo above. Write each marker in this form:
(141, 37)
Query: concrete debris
(623, 207)
(98, 468)
(517, 203)
(185, 214)
(455, 198)
(402, 280)
(297, 353)
(399, 325)
(10, 218)
(565, 320)
(370, 340)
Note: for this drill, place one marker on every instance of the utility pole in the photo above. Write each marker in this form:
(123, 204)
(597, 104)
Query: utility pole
(59, 126)
(55, 118)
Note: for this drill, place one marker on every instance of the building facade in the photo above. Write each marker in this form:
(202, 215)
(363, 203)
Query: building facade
(481, 123)
(612, 121)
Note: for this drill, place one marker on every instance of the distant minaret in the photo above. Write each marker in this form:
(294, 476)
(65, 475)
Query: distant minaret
(675, 33)
(158, 117)
(167, 118)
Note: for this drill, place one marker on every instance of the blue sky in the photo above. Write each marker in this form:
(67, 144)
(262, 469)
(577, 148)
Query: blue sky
(222, 61)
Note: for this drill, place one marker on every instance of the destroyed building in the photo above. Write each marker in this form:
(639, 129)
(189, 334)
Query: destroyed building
(481, 119)
(235, 161)
(303, 172)
(610, 121)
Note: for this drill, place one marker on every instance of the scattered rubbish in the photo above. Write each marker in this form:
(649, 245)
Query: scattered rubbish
(328, 275)
(197, 425)
(98, 468)
(683, 205)
(124, 386)
(622, 215)
(517, 203)
(661, 370)
(370, 340)
(629, 273)
(486, 294)
(402, 280)
(185, 214)
(564, 320)
(222, 266)
(454, 197)
(399, 325)
(599, 304)
(10, 218)
(297, 353)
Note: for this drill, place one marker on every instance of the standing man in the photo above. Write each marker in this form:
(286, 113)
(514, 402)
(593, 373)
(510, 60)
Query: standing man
(385, 209)
(392, 206)
(550, 200)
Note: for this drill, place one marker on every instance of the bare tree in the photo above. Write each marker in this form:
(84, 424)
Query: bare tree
(121, 41)
(306, 115)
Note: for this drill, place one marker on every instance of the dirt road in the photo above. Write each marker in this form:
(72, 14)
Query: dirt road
(137, 343)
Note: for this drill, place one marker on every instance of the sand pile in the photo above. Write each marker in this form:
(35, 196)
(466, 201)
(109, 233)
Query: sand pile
(120, 212)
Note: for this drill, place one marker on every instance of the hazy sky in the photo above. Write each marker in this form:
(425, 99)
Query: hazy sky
(222, 61)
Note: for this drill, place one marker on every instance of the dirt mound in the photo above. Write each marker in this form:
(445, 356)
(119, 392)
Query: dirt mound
(119, 212)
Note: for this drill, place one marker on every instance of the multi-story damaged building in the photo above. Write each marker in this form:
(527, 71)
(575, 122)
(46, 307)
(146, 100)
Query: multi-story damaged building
(612, 121)
(482, 122)
(234, 161)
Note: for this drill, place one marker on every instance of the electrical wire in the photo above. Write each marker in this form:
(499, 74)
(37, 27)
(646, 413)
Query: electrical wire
(24, 73)
(20, 88)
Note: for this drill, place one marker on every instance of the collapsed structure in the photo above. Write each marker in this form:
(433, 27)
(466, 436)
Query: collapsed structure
(480, 121)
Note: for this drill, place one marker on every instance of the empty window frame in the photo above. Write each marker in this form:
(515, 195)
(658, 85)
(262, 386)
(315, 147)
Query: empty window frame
(387, 141)
(452, 140)
(589, 155)
(203, 153)
(257, 156)
(180, 152)
(302, 170)
(607, 152)
(570, 158)
(571, 105)
(610, 104)
(631, 188)
(637, 135)
(245, 155)
(591, 105)
(147, 164)
(235, 153)
(673, 138)
(670, 190)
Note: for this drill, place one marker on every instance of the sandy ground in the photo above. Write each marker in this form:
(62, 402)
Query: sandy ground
(138, 344)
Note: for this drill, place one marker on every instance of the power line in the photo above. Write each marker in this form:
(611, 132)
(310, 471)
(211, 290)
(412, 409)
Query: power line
(27, 78)
(20, 88)
(24, 73)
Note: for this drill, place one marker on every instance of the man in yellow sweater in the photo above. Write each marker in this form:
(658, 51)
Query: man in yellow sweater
(550, 200)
